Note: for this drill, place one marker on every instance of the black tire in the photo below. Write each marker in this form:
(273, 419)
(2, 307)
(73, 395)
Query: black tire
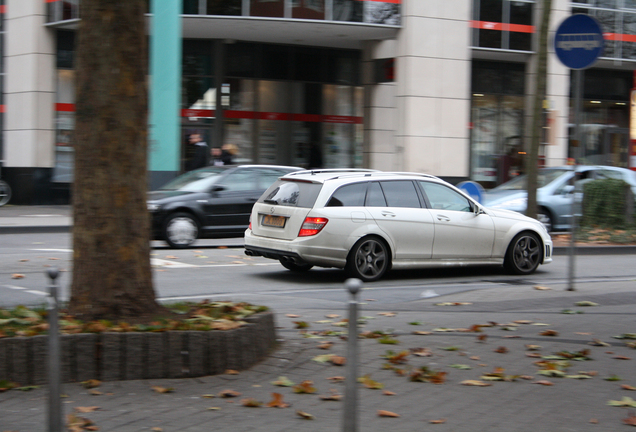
(524, 254)
(5, 192)
(545, 217)
(300, 268)
(180, 230)
(368, 259)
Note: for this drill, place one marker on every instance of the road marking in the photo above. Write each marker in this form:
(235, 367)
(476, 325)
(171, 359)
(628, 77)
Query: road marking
(13, 287)
(40, 293)
(53, 250)
(165, 263)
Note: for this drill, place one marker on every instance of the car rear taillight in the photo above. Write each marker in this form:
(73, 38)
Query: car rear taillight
(312, 226)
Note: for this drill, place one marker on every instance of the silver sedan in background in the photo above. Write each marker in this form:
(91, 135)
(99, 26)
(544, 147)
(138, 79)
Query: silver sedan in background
(554, 192)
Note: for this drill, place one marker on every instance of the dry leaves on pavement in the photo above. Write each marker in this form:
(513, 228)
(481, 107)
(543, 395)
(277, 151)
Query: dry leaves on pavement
(251, 403)
(475, 383)
(86, 409)
(229, 394)
(305, 387)
(305, 415)
(383, 413)
(162, 389)
(277, 401)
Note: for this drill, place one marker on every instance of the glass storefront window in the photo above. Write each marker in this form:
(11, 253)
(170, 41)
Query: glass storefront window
(490, 11)
(377, 12)
(274, 131)
(520, 14)
(308, 9)
(223, 7)
(239, 130)
(191, 7)
(338, 134)
(64, 127)
(267, 8)
(347, 10)
(198, 93)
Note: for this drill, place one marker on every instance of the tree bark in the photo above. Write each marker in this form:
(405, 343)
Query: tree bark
(111, 250)
(537, 118)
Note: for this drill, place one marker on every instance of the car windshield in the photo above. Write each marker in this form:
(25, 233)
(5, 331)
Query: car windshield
(544, 177)
(195, 181)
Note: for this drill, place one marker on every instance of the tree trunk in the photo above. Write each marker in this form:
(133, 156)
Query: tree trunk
(111, 250)
(537, 118)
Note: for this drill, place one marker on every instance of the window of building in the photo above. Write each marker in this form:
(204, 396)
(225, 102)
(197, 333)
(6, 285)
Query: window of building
(308, 9)
(503, 24)
(267, 8)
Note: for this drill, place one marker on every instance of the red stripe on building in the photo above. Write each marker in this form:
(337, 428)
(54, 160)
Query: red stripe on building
(316, 118)
(51, 1)
(272, 116)
(619, 37)
(342, 119)
(197, 113)
(489, 25)
(65, 107)
(233, 114)
(2, 108)
(385, 1)
(3, 9)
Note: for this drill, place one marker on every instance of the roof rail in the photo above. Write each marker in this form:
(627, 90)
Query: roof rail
(333, 170)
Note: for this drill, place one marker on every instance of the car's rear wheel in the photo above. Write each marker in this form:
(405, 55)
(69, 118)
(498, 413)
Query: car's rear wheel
(290, 265)
(524, 254)
(180, 230)
(544, 216)
(368, 259)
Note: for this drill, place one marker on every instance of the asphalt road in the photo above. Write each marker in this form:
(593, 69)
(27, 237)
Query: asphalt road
(227, 273)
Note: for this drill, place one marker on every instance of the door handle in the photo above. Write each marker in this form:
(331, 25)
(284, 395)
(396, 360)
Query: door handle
(388, 214)
(443, 218)
(251, 199)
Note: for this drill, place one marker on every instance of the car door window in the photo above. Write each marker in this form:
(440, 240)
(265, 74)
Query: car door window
(350, 196)
(237, 181)
(265, 178)
(400, 193)
(444, 198)
(375, 196)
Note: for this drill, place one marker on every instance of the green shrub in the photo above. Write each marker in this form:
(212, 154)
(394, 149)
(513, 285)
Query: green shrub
(605, 204)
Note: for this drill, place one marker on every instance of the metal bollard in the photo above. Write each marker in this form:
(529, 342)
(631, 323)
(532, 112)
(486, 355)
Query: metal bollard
(55, 388)
(350, 423)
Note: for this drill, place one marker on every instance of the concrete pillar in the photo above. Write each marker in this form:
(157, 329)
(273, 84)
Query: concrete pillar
(30, 86)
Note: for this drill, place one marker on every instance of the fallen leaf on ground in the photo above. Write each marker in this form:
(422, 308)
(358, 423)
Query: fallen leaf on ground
(17, 276)
(620, 357)
(544, 382)
(627, 387)
(541, 288)
(305, 387)
(387, 314)
(585, 303)
(549, 333)
(338, 360)
(476, 383)
(231, 372)
(625, 402)
(293, 316)
(251, 403)
(597, 342)
(208, 396)
(421, 352)
(475, 358)
(501, 350)
(422, 333)
(171, 257)
(162, 389)
(86, 409)
(388, 393)
(439, 421)
(332, 316)
(305, 415)
(229, 394)
(336, 378)
(453, 304)
(631, 420)
(325, 345)
(283, 382)
(277, 401)
(369, 383)
(594, 421)
(95, 393)
(383, 413)
(332, 396)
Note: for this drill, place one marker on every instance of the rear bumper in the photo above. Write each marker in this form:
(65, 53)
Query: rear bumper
(299, 251)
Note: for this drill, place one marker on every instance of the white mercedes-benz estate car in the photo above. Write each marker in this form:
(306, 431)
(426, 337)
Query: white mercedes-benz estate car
(368, 222)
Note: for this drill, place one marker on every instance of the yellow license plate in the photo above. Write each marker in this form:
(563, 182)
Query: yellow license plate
(273, 221)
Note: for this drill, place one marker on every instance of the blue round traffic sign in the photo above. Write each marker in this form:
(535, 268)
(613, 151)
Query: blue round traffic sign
(472, 189)
(578, 41)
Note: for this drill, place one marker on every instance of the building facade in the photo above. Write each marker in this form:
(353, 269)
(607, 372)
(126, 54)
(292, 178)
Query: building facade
(442, 87)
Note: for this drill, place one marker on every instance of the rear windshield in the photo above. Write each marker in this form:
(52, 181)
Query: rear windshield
(544, 177)
(291, 194)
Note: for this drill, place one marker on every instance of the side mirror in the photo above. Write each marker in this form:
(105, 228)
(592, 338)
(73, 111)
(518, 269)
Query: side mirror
(567, 189)
(477, 209)
(218, 188)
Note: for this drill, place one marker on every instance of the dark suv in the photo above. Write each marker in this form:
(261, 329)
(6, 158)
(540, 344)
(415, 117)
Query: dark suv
(211, 202)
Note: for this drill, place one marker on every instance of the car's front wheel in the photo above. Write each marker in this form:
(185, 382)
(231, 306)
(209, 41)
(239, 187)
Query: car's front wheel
(290, 265)
(369, 259)
(180, 230)
(524, 254)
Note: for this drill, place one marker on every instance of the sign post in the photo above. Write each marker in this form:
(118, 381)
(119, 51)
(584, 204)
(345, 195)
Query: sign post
(578, 43)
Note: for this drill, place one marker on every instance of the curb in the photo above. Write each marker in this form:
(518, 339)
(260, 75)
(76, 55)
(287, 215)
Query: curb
(140, 355)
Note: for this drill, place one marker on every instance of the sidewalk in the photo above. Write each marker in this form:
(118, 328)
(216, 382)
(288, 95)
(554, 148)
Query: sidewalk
(518, 315)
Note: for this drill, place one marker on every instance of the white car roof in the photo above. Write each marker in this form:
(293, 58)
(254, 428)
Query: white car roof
(346, 175)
